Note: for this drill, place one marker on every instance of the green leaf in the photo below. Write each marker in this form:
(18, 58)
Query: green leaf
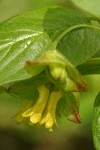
(97, 54)
(69, 106)
(90, 6)
(2, 90)
(96, 122)
(28, 36)
(90, 67)
(27, 89)
(80, 45)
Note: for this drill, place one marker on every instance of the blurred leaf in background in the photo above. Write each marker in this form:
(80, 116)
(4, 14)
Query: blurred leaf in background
(9, 8)
(89, 6)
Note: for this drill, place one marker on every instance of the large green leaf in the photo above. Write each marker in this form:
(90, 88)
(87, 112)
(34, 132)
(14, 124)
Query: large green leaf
(90, 6)
(80, 45)
(96, 122)
(30, 35)
(24, 37)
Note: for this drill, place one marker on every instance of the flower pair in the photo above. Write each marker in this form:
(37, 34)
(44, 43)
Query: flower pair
(59, 94)
(43, 111)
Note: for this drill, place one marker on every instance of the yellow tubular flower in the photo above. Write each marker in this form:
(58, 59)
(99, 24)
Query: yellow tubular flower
(34, 112)
(49, 117)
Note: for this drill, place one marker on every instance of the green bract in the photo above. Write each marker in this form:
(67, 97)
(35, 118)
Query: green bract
(59, 70)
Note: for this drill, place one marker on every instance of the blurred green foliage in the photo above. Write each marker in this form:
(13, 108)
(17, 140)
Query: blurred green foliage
(69, 136)
(9, 8)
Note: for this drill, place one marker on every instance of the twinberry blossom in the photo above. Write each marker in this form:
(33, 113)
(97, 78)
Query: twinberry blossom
(43, 111)
(49, 116)
(60, 92)
(36, 111)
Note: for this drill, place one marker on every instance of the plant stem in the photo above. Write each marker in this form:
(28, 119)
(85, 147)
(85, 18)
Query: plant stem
(71, 29)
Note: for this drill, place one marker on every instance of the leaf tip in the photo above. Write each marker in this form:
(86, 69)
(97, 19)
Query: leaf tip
(74, 118)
